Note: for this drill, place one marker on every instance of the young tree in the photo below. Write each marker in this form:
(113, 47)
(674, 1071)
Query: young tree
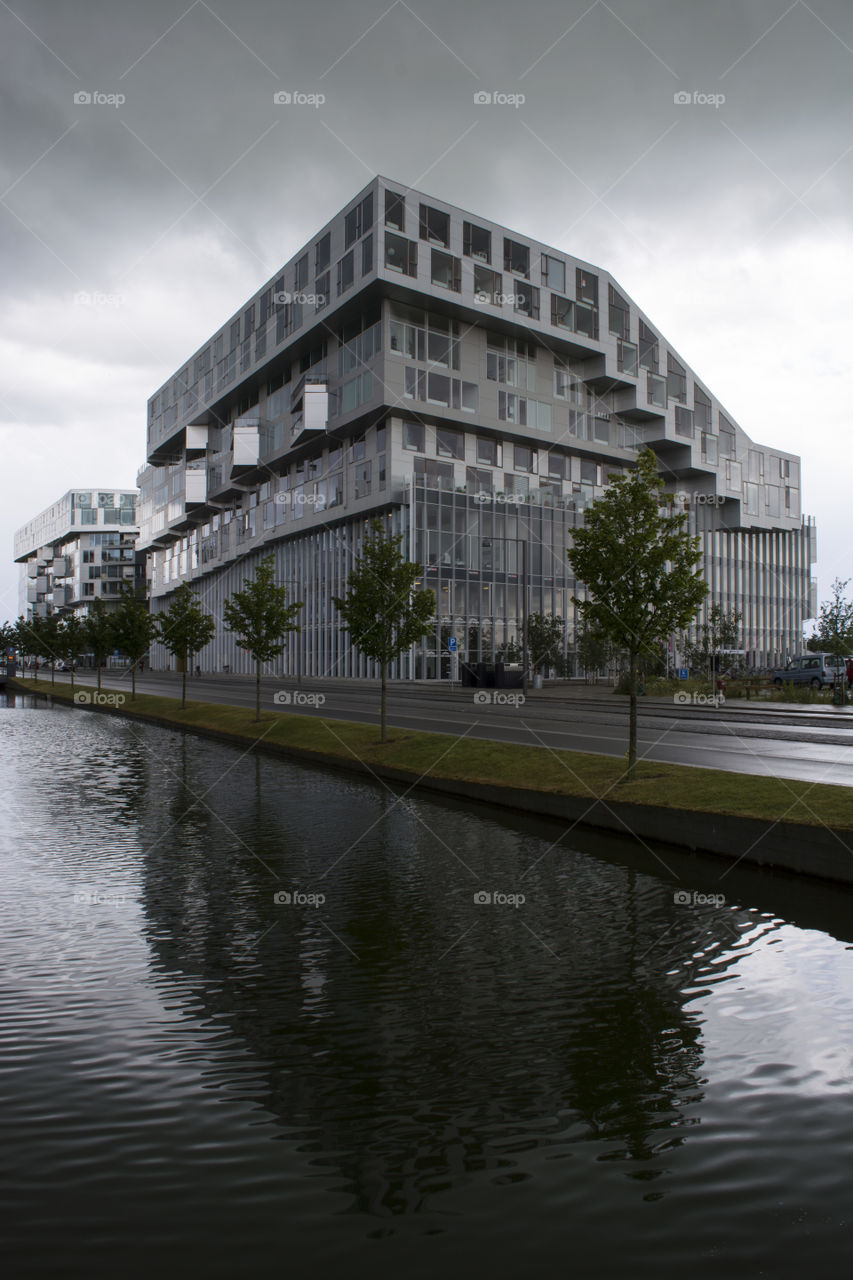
(718, 635)
(26, 637)
(544, 640)
(48, 634)
(134, 629)
(185, 629)
(382, 611)
(595, 649)
(639, 567)
(100, 634)
(835, 624)
(260, 618)
(72, 640)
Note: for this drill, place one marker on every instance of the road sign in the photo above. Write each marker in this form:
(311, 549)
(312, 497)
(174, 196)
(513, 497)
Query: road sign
(452, 644)
(683, 674)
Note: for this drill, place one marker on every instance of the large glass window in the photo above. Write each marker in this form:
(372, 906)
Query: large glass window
(683, 421)
(395, 210)
(702, 411)
(626, 357)
(527, 299)
(586, 286)
(449, 443)
(322, 253)
(728, 437)
(516, 258)
(524, 458)
(476, 242)
(446, 271)
(434, 226)
(413, 436)
(346, 272)
(401, 255)
(487, 285)
(358, 220)
(648, 348)
(553, 273)
(619, 313)
(489, 452)
(676, 379)
(656, 390)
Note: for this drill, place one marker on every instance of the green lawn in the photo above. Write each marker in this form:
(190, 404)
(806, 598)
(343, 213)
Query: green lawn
(570, 773)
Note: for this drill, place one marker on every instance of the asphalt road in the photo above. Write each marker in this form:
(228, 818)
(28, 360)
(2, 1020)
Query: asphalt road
(810, 743)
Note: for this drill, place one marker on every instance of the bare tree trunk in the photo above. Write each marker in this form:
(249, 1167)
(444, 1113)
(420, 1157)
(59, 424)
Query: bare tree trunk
(632, 717)
(257, 688)
(98, 665)
(184, 685)
(133, 682)
(383, 713)
(53, 672)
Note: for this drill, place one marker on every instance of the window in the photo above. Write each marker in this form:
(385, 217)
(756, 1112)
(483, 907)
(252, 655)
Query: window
(676, 379)
(106, 500)
(702, 410)
(395, 211)
(438, 388)
(476, 242)
(626, 357)
(434, 226)
(356, 392)
(489, 452)
(380, 439)
(449, 443)
(380, 467)
(436, 475)
(709, 447)
(553, 273)
(301, 275)
(516, 258)
(562, 312)
(527, 300)
(322, 289)
(413, 436)
(322, 253)
(728, 437)
(478, 481)
(234, 334)
(346, 272)
(683, 421)
(557, 466)
(248, 321)
(446, 271)
(524, 458)
(415, 384)
(488, 285)
(586, 319)
(618, 313)
(358, 220)
(648, 348)
(366, 255)
(88, 557)
(362, 479)
(357, 449)
(656, 390)
(401, 255)
(586, 286)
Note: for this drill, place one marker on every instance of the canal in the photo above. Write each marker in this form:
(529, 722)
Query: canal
(256, 1015)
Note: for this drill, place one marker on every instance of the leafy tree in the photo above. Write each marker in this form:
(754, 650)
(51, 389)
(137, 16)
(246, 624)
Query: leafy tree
(382, 611)
(718, 635)
(509, 651)
(26, 637)
(134, 629)
(100, 633)
(185, 629)
(544, 640)
(835, 623)
(260, 617)
(595, 649)
(48, 634)
(72, 640)
(639, 567)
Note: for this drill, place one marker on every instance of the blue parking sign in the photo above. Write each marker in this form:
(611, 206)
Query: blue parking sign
(452, 644)
(683, 674)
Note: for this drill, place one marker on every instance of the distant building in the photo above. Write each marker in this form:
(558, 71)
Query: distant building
(83, 548)
(475, 389)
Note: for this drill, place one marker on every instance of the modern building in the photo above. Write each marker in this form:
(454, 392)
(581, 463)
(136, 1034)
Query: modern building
(475, 389)
(83, 548)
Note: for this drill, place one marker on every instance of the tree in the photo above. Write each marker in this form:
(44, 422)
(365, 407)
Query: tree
(639, 567)
(260, 617)
(595, 649)
(718, 635)
(72, 640)
(100, 633)
(544, 640)
(26, 637)
(134, 629)
(382, 611)
(185, 629)
(835, 624)
(48, 634)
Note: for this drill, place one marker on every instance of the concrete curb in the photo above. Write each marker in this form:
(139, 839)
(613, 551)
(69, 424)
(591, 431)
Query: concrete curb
(820, 852)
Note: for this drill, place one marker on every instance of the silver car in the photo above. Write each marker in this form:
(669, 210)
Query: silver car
(814, 669)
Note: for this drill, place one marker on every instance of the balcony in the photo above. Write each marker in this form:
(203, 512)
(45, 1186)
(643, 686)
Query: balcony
(246, 450)
(310, 410)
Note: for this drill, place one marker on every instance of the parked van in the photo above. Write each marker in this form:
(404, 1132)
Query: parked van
(815, 669)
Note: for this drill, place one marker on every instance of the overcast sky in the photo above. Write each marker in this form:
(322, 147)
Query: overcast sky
(727, 221)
